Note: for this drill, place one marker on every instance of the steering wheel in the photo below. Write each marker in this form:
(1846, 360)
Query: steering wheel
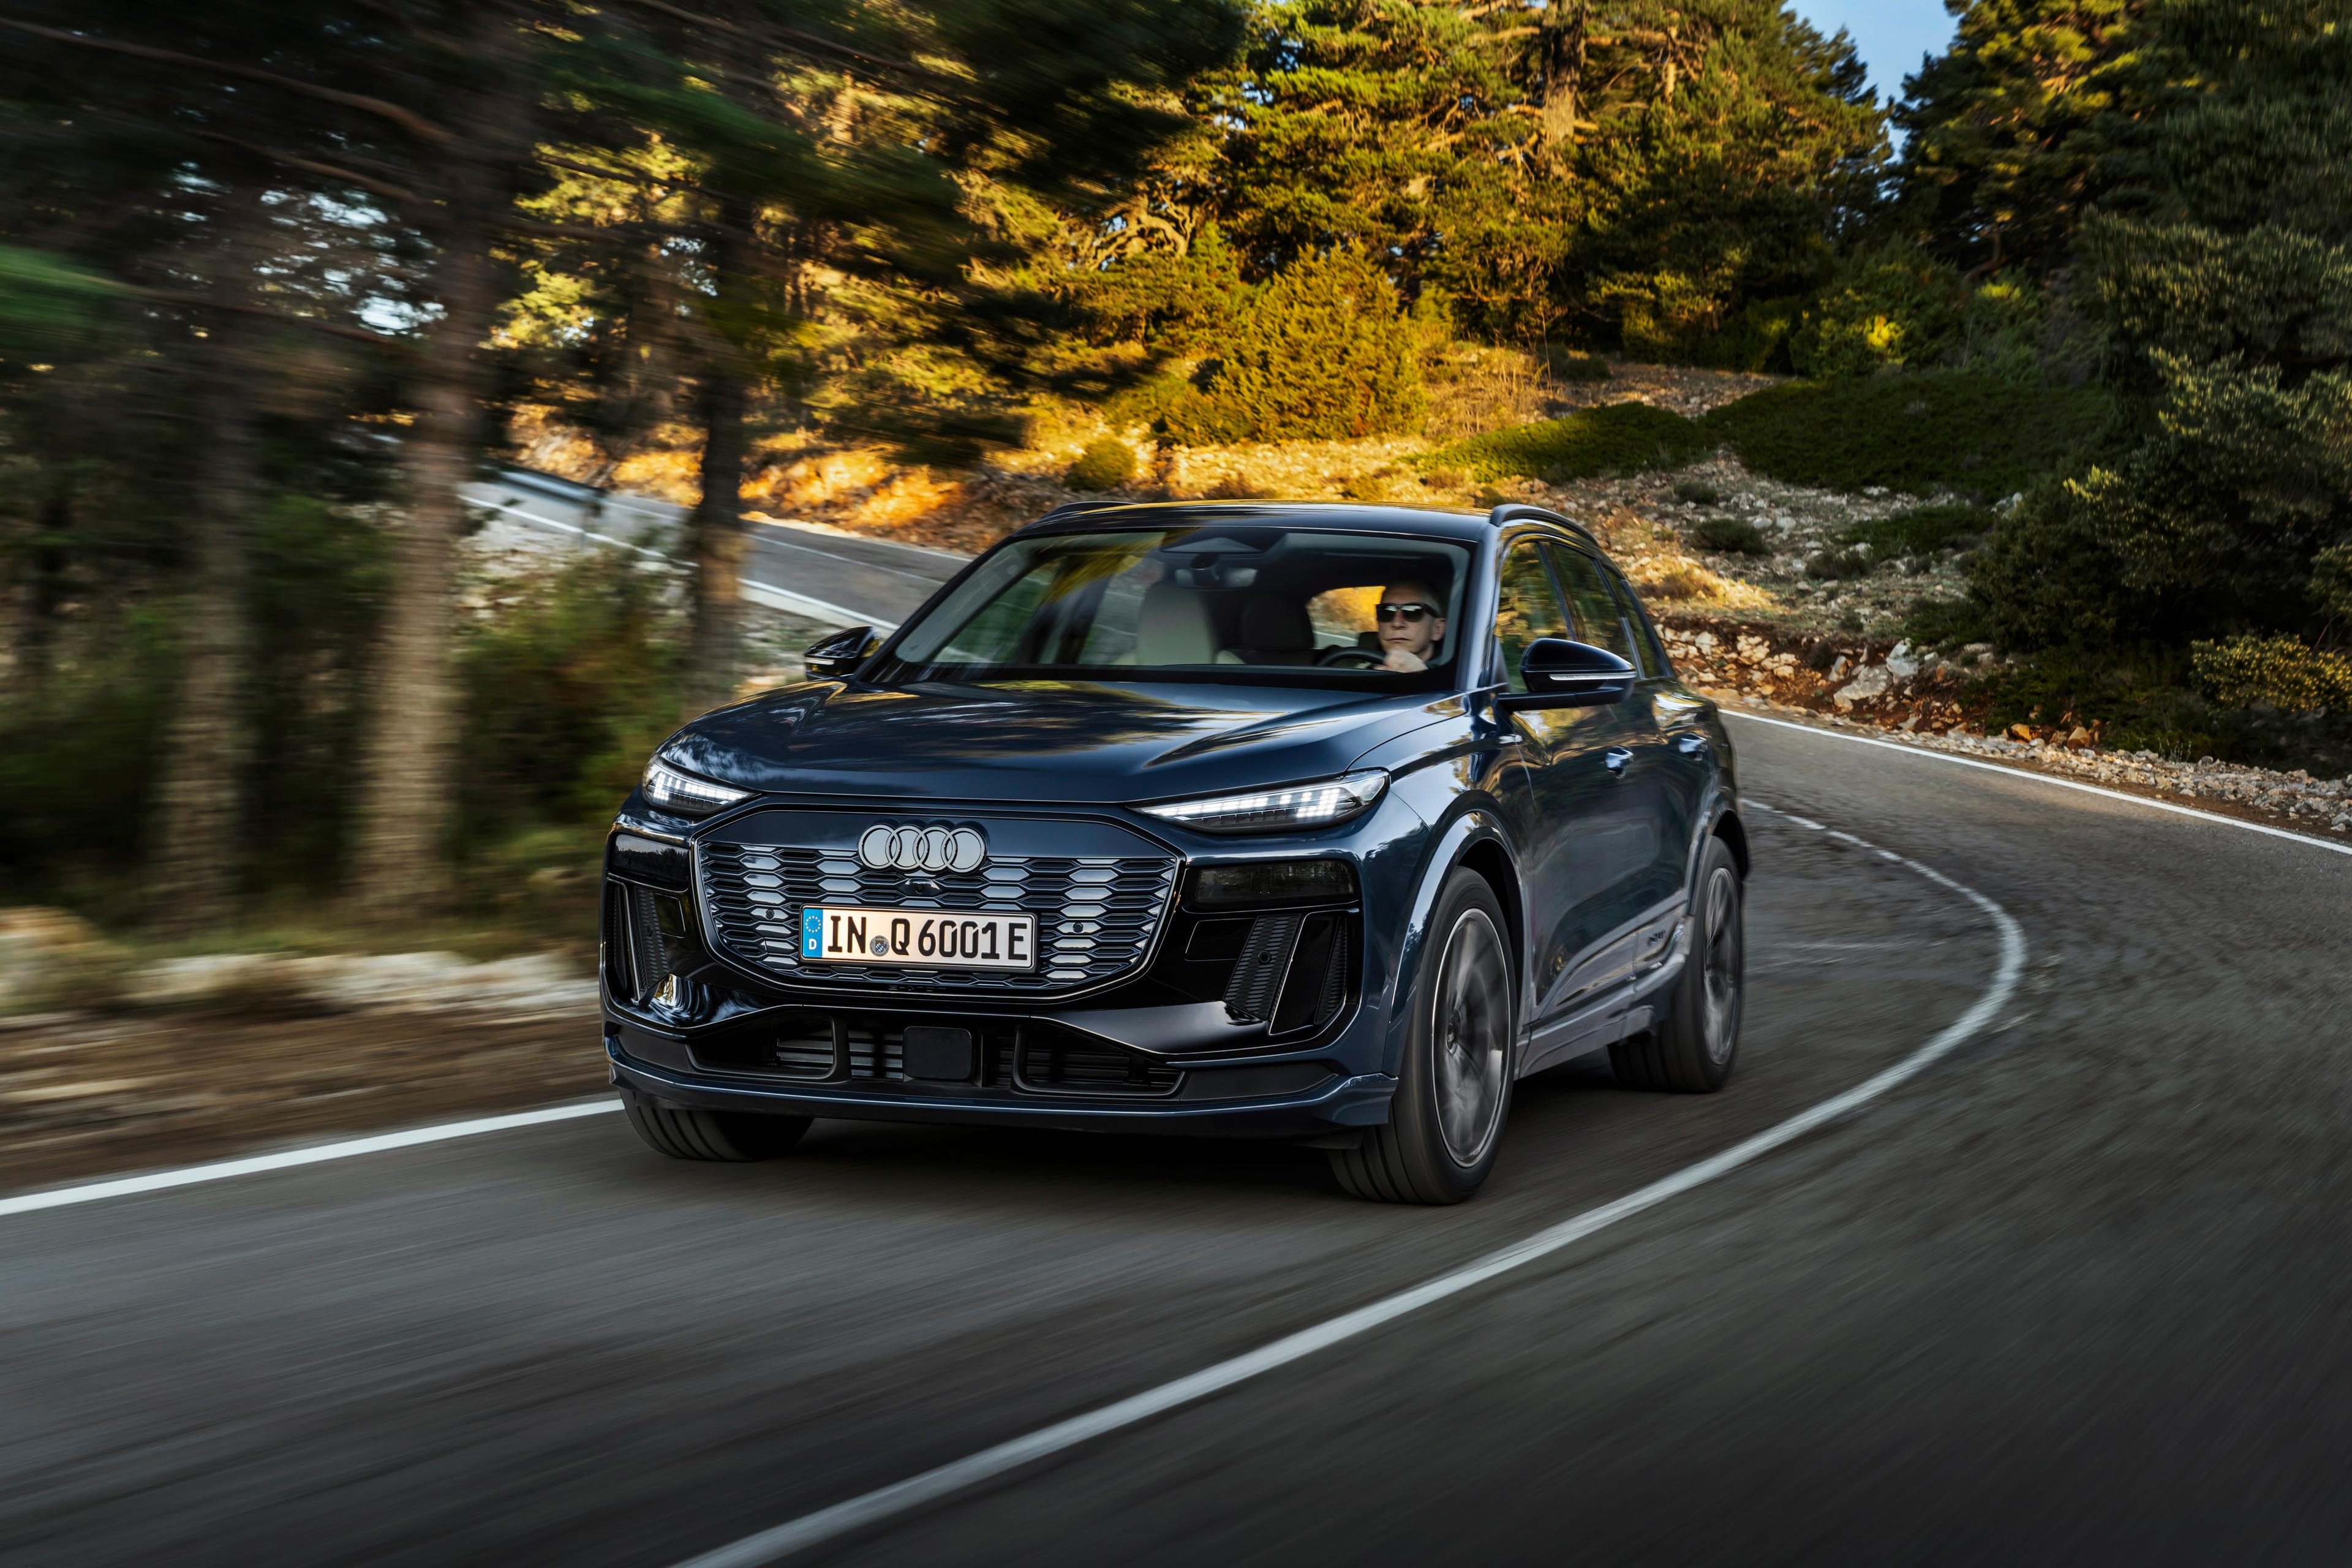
(1353, 658)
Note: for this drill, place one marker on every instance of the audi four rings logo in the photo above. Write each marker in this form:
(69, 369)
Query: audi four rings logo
(884, 847)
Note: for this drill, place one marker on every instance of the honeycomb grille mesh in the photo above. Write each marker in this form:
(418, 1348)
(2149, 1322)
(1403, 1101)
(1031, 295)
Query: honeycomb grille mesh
(1096, 917)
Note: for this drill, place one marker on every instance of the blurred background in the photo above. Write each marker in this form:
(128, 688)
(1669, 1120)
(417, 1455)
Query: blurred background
(1995, 392)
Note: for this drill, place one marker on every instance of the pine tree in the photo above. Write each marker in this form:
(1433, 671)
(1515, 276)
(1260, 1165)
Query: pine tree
(2223, 263)
(1996, 171)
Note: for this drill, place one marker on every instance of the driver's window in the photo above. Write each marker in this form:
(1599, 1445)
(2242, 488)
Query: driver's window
(1528, 609)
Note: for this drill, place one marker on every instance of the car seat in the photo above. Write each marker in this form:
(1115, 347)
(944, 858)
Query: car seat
(1172, 627)
(1274, 630)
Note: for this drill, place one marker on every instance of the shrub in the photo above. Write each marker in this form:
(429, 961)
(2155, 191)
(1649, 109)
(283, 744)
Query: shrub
(1107, 464)
(1924, 530)
(570, 683)
(1698, 492)
(1755, 338)
(1836, 566)
(1950, 430)
(1617, 439)
(1319, 351)
(2278, 670)
(1889, 306)
(1730, 536)
(1565, 366)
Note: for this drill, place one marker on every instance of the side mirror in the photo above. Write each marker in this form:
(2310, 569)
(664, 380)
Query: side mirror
(834, 658)
(1564, 674)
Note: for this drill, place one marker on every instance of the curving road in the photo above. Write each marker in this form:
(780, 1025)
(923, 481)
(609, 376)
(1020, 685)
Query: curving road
(2076, 1291)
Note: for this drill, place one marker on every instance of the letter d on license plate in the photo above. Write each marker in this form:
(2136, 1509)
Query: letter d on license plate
(921, 939)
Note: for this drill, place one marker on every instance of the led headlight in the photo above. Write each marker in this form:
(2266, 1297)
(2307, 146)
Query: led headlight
(683, 794)
(1272, 810)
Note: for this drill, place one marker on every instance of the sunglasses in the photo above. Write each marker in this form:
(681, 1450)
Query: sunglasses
(1410, 613)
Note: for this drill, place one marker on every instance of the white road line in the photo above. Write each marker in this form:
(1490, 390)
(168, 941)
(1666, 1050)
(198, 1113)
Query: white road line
(777, 598)
(841, 558)
(759, 593)
(915, 1491)
(2124, 795)
(287, 1159)
(568, 528)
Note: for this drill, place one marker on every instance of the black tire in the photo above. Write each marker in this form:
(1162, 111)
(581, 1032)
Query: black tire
(732, 1135)
(1691, 1050)
(1453, 1089)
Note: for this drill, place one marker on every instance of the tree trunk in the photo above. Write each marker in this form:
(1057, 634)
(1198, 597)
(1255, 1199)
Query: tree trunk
(715, 536)
(1563, 69)
(406, 786)
(202, 819)
(44, 594)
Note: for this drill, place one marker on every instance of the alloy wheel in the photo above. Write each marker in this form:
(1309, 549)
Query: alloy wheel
(1470, 1036)
(1721, 961)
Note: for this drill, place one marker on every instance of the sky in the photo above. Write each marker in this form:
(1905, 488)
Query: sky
(1891, 35)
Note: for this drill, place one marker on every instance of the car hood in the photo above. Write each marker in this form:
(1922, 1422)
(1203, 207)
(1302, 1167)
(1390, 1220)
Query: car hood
(1043, 739)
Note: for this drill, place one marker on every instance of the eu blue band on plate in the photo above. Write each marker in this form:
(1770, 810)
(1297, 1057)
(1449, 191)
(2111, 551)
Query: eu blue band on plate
(811, 932)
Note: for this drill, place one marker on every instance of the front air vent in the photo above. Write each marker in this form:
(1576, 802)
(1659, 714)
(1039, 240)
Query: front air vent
(1266, 957)
(1292, 972)
(1052, 1060)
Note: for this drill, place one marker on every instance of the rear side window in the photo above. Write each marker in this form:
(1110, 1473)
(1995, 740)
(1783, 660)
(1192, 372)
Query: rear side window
(1527, 608)
(1653, 659)
(1599, 618)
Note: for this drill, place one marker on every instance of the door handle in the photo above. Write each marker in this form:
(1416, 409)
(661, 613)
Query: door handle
(1615, 758)
(1691, 745)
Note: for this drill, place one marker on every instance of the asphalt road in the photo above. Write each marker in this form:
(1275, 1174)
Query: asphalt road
(829, 576)
(2078, 1292)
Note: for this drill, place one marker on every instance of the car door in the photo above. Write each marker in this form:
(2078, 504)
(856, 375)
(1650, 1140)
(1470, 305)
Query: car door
(1627, 830)
(1563, 759)
(1678, 750)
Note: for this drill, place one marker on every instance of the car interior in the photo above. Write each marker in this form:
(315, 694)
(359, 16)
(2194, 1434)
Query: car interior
(1264, 597)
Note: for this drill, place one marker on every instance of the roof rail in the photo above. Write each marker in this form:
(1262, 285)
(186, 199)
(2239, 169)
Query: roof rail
(1528, 512)
(1071, 508)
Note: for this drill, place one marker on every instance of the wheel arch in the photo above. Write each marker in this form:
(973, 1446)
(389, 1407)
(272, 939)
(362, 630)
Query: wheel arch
(1473, 840)
(1734, 834)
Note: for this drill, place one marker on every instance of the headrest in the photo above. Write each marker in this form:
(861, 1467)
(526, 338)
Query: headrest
(1172, 627)
(1273, 624)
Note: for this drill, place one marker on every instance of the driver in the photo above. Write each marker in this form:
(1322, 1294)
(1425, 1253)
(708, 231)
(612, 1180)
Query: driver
(1410, 623)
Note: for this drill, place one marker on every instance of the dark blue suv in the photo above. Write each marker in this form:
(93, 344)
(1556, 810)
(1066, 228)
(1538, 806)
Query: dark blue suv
(1324, 823)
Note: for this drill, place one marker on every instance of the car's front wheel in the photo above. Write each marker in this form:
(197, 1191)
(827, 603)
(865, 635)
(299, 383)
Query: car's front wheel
(683, 1134)
(1455, 1088)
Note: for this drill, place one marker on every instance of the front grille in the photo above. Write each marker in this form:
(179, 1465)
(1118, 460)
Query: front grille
(1095, 916)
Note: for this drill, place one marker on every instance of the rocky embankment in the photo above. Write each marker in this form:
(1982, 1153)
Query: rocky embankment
(1925, 699)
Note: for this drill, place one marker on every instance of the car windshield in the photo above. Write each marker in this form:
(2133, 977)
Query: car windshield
(1249, 604)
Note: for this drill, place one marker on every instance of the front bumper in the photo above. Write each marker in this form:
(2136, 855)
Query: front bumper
(1332, 1103)
(1259, 1021)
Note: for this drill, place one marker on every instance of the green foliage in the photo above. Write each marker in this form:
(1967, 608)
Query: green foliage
(1924, 530)
(1997, 166)
(1107, 464)
(49, 306)
(1972, 433)
(1620, 437)
(2280, 671)
(1698, 492)
(2042, 579)
(1757, 337)
(1730, 536)
(1629, 178)
(1837, 565)
(1319, 351)
(2220, 512)
(570, 684)
(78, 757)
(2221, 277)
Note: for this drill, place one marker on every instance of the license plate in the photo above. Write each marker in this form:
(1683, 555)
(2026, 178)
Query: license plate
(922, 939)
